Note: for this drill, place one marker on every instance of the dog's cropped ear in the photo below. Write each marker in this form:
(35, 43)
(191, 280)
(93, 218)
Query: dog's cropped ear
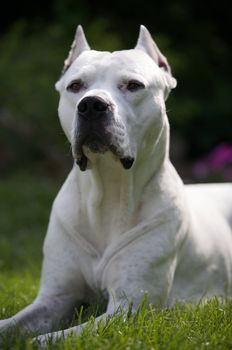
(79, 45)
(147, 44)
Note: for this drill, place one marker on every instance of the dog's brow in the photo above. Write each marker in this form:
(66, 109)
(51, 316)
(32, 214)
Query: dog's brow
(86, 74)
(126, 76)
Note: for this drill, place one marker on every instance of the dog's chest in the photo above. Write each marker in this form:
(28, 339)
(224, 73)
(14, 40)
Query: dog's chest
(101, 225)
(105, 211)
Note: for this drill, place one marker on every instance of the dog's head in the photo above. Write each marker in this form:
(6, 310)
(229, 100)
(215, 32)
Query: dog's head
(109, 102)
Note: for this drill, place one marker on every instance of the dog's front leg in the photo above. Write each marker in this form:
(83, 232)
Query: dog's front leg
(62, 287)
(40, 316)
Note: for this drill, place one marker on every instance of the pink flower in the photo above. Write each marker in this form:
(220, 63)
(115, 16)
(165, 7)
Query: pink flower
(217, 163)
(221, 156)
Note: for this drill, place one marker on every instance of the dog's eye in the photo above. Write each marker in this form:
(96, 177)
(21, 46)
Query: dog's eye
(76, 86)
(134, 85)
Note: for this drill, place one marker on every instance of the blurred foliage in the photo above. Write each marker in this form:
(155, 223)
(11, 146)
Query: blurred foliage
(24, 207)
(35, 41)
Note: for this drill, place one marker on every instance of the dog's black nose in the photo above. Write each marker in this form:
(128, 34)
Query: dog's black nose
(92, 107)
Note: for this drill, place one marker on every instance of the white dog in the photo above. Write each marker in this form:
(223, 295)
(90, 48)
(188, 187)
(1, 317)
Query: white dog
(123, 222)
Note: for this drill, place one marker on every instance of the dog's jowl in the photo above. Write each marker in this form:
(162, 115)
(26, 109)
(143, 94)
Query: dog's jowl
(123, 222)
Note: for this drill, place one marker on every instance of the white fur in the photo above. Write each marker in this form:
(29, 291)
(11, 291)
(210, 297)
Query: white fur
(135, 231)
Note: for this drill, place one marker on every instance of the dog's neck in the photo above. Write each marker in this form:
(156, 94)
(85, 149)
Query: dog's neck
(113, 195)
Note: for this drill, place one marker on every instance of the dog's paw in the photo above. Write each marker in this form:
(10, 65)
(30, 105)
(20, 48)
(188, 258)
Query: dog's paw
(42, 341)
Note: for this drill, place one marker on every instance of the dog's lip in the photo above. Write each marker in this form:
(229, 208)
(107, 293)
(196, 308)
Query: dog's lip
(127, 162)
(82, 161)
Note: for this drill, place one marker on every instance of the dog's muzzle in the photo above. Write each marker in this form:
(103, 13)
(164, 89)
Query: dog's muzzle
(97, 129)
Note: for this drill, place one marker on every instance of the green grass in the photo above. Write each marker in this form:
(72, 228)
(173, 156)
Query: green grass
(24, 211)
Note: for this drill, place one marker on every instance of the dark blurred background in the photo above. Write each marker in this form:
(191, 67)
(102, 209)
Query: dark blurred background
(194, 35)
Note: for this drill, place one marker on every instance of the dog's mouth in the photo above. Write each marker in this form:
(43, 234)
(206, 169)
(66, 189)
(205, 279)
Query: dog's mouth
(100, 144)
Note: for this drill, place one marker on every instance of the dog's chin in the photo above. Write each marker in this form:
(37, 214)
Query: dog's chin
(93, 146)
